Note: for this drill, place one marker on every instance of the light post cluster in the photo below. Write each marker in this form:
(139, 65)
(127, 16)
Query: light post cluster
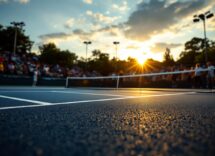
(16, 25)
(203, 17)
(116, 43)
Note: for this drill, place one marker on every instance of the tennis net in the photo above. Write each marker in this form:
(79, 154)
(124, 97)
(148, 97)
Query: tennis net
(174, 79)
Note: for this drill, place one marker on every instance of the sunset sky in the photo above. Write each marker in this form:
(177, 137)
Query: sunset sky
(144, 28)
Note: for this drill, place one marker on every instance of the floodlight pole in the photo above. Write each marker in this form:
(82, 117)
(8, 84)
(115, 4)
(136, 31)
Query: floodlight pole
(116, 43)
(87, 43)
(203, 18)
(16, 25)
(206, 53)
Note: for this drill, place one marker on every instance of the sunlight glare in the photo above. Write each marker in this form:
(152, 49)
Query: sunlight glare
(141, 59)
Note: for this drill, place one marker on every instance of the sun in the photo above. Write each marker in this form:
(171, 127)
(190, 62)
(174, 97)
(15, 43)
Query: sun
(141, 59)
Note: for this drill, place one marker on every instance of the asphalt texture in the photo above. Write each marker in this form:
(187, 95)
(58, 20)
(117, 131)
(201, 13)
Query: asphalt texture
(105, 122)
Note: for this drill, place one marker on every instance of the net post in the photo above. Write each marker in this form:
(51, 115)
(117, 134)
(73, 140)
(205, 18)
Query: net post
(67, 79)
(117, 82)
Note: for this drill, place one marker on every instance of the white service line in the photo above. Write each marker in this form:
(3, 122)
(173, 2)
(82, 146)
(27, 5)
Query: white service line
(122, 98)
(98, 100)
(87, 93)
(25, 100)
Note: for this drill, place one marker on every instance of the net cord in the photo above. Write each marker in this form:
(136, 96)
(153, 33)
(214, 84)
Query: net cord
(137, 75)
(117, 77)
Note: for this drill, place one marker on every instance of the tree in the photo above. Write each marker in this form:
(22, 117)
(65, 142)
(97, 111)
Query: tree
(194, 51)
(50, 54)
(168, 58)
(131, 65)
(66, 58)
(96, 53)
(151, 65)
(24, 44)
(193, 48)
(210, 52)
(100, 62)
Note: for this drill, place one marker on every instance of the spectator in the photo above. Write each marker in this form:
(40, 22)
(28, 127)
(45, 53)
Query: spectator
(11, 68)
(25, 69)
(198, 76)
(46, 70)
(35, 77)
(210, 75)
(1, 64)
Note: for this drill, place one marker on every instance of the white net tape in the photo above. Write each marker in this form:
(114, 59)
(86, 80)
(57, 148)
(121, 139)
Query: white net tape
(117, 77)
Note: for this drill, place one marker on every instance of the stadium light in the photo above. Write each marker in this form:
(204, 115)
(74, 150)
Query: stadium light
(87, 43)
(116, 43)
(203, 17)
(16, 25)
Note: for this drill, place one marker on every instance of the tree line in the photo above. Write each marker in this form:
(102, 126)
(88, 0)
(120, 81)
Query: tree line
(100, 61)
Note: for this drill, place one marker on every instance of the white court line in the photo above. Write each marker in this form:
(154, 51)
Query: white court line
(25, 100)
(18, 107)
(122, 98)
(24, 91)
(90, 101)
(87, 93)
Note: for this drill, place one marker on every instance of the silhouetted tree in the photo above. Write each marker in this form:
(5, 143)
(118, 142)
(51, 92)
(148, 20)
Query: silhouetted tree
(168, 58)
(210, 53)
(50, 54)
(100, 62)
(23, 44)
(193, 48)
(66, 58)
(152, 65)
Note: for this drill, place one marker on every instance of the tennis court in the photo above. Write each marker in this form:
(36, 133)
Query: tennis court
(98, 121)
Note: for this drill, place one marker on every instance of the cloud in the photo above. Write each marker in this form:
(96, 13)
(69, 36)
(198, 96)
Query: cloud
(98, 17)
(55, 37)
(155, 17)
(74, 23)
(61, 36)
(69, 23)
(88, 1)
(122, 7)
(108, 31)
(132, 47)
(3, 1)
(161, 47)
(22, 1)
(18, 1)
(211, 24)
(80, 34)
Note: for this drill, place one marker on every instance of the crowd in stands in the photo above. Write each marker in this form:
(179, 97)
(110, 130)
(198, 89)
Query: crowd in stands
(200, 77)
(26, 64)
(23, 64)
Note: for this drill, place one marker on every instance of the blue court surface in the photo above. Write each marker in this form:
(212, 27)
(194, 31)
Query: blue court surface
(97, 121)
